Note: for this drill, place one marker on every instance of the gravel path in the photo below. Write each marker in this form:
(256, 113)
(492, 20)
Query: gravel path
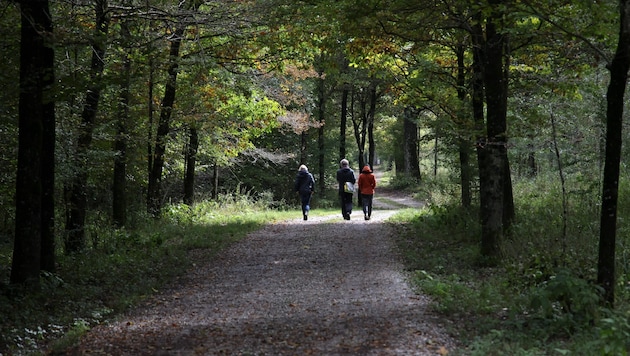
(319, 287)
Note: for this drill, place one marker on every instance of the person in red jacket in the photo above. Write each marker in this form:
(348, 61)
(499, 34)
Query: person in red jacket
(367, 183)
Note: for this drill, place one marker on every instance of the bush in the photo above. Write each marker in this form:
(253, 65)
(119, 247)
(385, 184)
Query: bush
(567, 300)
(614, 334)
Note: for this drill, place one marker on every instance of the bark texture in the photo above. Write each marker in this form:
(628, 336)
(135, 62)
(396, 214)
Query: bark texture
(35, 26)
(614, 120)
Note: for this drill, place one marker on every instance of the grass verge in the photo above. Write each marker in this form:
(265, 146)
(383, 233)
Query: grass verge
(541, 300)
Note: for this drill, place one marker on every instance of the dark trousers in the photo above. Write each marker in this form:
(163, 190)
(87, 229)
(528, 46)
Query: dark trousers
(346, 203)
(366, 202)
(306, 201)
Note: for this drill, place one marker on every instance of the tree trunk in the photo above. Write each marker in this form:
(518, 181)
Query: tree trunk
(435, 152)
(491, 191)
(77, 211)
(303, 147)
(532, 169)
(191, 163)
(370, 127)
(150, 114)
(399, 150)
(493, 165)
(465, 173)
(154, 199)
(478, 109)
(215, 186)
(48, 245)
(371, 145)
(614, 118)
(343, 122)
(464, 144)
(154, 189)
(321, 111)
(119, 186)
(508, 196)
(36, 27)
(411, 164)
(359, 123)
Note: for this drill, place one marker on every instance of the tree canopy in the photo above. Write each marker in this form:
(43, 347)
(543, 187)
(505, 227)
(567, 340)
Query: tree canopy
(119, 107)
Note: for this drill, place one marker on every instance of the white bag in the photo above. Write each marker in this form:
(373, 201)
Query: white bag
(348, 187)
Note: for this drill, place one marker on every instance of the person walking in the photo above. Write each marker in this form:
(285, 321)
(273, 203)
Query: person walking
(367, 183)
(345, 175)
(304, 186)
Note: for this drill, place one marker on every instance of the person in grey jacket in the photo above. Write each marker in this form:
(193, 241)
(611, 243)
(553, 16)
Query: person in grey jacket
(345, 174)
(305, 186)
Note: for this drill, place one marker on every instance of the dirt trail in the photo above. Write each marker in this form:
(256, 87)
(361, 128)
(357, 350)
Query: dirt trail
(325, 286)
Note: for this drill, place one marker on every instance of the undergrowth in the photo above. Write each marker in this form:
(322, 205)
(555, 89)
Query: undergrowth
(542, 299)
(119, 269)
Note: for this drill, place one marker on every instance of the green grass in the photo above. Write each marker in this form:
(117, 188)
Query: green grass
(541, 300)
(120, 269)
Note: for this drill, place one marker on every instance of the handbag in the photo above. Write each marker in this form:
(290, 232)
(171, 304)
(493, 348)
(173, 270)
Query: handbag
(348, 187)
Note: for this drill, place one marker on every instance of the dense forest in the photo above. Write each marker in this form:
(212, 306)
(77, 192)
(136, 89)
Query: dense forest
(117, 112)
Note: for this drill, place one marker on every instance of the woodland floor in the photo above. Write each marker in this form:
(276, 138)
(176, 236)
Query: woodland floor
(325, 286)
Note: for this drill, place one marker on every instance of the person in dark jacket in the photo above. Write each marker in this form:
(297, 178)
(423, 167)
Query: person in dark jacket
(304, 186)
(367, 183)
(345, 174)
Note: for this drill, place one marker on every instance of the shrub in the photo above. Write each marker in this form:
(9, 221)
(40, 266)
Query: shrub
(568, 300)
(614, 334)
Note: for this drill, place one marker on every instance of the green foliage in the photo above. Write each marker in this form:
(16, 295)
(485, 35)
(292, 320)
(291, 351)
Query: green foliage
(402, 182)
(498, 343)
(454, 295)
(567, 299)
(542, 299)
(614, 334)
(537, 246)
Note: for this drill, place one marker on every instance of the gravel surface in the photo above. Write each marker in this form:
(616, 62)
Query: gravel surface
(325, 286)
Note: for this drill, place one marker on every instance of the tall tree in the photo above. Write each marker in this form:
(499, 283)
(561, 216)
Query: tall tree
(154, 201)
(119, 185)
(48, 158)
(343, 122)
(362, 113)
(76, 212)
(410, 160)
(35, 109)
(370, 126)
(490, 45)
(191, 163)
(321, 110)
(610, 187)
(464, 143)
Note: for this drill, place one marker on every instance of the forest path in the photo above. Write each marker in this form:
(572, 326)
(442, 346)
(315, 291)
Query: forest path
(325, 286)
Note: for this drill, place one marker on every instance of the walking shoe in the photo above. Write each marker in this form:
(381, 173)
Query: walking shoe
(305, 216)
(366, 217)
